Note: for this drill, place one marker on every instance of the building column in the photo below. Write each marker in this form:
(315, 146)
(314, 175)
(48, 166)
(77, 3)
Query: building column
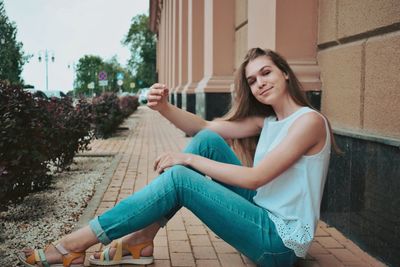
(195, 53)
(290, 28)
(213, 94)
(182, 51)
(169, 41)
(174, 50)
(162, 45)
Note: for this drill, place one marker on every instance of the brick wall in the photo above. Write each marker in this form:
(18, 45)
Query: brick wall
(359, 57)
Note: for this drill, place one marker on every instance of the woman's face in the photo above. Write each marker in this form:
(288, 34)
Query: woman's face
(266, 81)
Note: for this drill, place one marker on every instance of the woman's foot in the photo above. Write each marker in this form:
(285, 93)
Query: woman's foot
(131, 240)
(53, 254)
(140, 237)
(70, 247)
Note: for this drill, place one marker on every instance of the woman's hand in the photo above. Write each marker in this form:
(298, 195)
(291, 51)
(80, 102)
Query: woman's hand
(157, 99)
(170, 159)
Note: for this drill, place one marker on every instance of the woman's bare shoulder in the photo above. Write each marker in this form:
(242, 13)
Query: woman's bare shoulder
(310, 122)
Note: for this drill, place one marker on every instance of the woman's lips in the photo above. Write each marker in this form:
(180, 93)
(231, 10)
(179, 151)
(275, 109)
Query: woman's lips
(263, 92)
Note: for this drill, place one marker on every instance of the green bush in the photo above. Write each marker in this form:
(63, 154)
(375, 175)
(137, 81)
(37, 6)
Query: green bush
(35, 133)
(70, 131)
(128, 105)
(107, 114)
(23, 144)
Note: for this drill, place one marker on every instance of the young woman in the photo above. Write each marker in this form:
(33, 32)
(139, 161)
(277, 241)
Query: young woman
(268, 210)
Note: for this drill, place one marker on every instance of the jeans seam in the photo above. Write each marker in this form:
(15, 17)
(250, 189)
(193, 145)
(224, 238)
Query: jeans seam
(143, 208)
(220, 204)
(271, 254)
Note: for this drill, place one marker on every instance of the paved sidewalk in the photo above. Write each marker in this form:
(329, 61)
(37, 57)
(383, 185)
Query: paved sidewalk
(186, 241)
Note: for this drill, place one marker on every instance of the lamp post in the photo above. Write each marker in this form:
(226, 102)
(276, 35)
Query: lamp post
(46, 60)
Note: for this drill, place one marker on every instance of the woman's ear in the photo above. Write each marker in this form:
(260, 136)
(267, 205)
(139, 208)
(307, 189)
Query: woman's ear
(286, 76)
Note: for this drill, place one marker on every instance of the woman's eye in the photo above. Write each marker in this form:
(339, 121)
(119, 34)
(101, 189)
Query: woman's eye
(266, 73)
(250, 82)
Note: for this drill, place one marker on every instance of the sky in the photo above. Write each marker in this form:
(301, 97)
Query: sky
(70, 29)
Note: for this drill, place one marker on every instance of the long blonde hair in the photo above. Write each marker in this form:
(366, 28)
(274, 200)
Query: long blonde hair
(244, 104)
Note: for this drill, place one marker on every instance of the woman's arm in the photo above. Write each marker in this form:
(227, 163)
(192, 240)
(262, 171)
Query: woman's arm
(191, 124)
(305, 134)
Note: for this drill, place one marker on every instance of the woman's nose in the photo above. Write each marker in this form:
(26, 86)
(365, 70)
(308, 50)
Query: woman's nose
(261, 82)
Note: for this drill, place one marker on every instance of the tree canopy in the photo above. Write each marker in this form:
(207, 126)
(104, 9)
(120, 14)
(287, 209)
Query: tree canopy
(12, 57)
(141, 69)
(87, 75)
(142, 44)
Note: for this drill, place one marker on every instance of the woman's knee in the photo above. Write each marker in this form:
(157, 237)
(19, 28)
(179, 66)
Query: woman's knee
(181, 176)
(203, 140)
(207, 134)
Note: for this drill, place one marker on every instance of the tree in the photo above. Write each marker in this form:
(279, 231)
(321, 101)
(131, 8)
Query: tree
(87, 71)
(142, 44)
(113, 67)
(12, 57)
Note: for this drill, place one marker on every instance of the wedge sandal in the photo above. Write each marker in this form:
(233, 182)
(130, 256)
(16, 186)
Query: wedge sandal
(133, 258)
(38, 256)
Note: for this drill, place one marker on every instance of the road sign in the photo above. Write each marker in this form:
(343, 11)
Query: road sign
(120, 82)
(120, 76)
(90, 85)
(102, 76)
(103, 82)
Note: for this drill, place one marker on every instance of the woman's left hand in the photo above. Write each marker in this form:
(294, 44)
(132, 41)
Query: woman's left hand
(170, 159)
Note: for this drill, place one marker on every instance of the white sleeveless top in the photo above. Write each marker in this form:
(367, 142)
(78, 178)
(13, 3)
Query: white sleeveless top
(293, 199)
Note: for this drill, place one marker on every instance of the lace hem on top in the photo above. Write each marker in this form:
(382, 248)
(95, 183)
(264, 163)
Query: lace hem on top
(294, 235)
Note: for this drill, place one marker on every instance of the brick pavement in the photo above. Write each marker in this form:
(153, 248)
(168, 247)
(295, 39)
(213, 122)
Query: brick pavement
(186, 241)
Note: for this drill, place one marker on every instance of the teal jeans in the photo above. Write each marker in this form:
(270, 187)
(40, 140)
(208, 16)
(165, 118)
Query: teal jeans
(227, 210)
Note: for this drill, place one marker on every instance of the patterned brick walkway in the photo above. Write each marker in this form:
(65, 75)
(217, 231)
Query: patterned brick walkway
(186, 241)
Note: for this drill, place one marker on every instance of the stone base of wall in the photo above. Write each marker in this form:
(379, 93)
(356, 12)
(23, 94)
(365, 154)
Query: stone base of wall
(315, 98)
(212, 105)
(178, 98)
(189, 102)
(361, 197)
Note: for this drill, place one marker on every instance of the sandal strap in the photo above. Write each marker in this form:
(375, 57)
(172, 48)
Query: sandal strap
(118, 251)
(42, 257)
(60, 248)
(37, 256)
(67, 259)
(105, 254)
(67, 256)
(137, 249)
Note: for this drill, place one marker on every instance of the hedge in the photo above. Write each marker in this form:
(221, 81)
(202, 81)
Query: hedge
(36, 134)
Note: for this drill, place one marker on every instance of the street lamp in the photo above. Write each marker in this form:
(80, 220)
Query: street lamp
(46, 60)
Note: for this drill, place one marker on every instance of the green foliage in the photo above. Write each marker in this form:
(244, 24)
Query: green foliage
(142, 44)
(128, 105)
(88, 69)
(35, 133)
(70, 130)
(87, 72)
(107, 114)
(12, 57)
(109, 111)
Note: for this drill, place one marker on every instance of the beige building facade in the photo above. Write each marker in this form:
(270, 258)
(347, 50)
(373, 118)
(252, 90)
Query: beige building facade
(346, 54)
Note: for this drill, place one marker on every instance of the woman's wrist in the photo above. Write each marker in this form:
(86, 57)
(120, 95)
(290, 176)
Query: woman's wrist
(164, 109)
(188, 160)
